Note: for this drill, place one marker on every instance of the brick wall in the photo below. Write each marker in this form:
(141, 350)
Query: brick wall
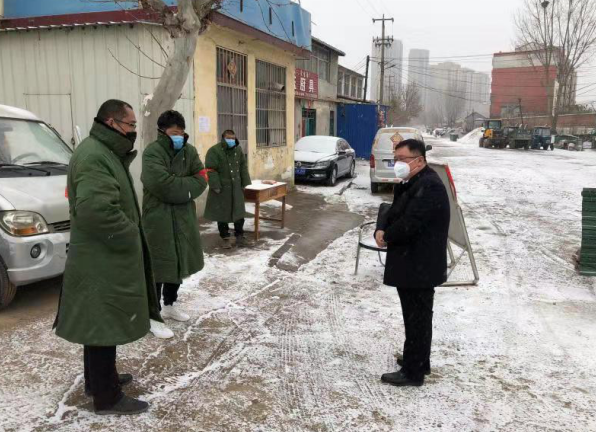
(525, 83)
(567, 123)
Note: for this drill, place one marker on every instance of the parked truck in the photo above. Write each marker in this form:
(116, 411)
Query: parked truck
(542, 138)
(518, 137)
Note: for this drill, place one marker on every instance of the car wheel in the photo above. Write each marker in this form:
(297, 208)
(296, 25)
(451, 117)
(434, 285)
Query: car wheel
(352, 172)
(7, 288)
(374, 187)
(332, 180)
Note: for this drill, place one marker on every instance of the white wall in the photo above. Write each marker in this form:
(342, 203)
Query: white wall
(64, 75)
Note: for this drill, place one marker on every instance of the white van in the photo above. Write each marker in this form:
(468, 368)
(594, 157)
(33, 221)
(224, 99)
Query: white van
(34, 215)
(382, 157)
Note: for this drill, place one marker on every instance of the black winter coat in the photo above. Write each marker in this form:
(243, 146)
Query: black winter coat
(416, 232)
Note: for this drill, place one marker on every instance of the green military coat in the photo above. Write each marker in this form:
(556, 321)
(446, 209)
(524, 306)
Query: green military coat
(109, 293)
(230, 177)
(169, 211)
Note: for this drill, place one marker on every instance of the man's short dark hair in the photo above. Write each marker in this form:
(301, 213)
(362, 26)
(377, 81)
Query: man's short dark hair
(170, 119)
(228, 132)
(418, 148)
(113, 108)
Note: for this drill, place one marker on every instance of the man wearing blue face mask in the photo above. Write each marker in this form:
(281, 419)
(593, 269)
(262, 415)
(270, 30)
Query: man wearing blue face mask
(415, 232)
(173, 177)
(228, 177)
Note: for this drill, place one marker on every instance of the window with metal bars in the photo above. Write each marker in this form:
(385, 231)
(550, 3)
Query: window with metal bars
(232, 95)
(271, 105)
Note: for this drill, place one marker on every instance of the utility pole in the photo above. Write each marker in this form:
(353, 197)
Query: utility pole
(383, 42)
(366, 79)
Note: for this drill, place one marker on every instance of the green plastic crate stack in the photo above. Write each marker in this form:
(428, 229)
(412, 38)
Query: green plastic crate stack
(587, 265)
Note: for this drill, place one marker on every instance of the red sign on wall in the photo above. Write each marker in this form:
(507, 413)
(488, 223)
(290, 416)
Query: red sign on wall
(307, 84)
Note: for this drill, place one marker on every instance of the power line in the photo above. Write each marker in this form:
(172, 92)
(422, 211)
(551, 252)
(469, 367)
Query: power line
(362, 7)
(445, 92)
(373, 7)
(384, 6)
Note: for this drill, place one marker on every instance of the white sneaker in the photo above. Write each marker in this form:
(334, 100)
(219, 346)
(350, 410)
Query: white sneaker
(174, 313)
(160, 330)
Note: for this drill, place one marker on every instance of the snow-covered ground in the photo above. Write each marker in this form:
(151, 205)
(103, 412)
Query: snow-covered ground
(472, 138)
(269, 350)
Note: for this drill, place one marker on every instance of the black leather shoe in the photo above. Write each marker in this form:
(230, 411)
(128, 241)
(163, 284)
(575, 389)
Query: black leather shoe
(400, 363)
(124, 379)
(399, 379)
(126, 406)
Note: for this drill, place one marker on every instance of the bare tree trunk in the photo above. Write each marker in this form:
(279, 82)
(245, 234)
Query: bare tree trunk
(184, 27)
(170, 85)
(557, 108)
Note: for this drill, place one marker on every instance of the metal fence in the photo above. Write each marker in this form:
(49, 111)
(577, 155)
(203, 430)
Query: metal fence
(271, 105)
(232, 98)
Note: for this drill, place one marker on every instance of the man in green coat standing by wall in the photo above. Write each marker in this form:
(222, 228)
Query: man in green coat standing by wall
(228, 177)
(173, 177)
(109, 294)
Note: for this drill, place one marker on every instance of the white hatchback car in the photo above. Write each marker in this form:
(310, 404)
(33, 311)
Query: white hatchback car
(382, 158)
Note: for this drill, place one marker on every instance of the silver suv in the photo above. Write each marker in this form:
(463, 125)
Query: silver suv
(34, 216)
(382, 157)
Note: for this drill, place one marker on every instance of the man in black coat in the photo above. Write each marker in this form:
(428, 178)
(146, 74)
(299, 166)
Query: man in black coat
(415, 231)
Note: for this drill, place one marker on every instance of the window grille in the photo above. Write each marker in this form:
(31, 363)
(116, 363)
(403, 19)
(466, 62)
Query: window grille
(271, 105)
(232, 103)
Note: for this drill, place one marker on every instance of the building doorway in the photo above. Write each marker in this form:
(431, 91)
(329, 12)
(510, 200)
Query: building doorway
(309, 122)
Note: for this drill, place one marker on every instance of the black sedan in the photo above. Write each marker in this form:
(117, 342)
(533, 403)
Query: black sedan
(324, 159)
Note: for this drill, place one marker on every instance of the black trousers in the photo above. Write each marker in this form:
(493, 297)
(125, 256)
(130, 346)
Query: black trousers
(169, 291)
(224, 228)
(417, 308)
(101, 376)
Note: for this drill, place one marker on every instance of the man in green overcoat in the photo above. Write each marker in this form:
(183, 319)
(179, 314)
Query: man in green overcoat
(108, 294)
(173, 177)
(228, 176)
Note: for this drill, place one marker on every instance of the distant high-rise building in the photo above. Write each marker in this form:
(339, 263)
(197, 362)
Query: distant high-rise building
(418, 72)
(451, 79)
(393, 70)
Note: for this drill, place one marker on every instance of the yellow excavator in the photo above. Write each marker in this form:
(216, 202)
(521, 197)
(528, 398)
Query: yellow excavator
(493, 136)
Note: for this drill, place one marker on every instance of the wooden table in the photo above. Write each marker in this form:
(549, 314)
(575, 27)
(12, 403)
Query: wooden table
(259, 193)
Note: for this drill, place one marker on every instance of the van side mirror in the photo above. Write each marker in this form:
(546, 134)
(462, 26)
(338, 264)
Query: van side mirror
(429, 147)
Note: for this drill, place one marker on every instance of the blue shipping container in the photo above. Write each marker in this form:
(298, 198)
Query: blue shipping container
(358, 124)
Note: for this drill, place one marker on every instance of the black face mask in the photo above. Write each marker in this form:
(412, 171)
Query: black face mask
(132, 137)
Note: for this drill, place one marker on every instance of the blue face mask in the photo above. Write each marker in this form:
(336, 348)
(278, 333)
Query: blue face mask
(178, 141)
(231, 142)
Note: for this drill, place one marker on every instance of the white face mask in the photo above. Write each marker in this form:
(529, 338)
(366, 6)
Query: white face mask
(402, 170)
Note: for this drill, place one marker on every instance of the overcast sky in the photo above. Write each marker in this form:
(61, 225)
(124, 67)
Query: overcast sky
(447, 28)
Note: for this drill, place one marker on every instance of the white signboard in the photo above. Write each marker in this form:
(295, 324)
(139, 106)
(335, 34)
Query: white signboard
(204, 125)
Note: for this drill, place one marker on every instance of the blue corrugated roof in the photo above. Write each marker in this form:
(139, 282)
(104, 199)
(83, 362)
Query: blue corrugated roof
(283, 19)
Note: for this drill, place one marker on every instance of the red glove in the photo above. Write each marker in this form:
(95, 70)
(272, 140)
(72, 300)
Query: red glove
(204, 173)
